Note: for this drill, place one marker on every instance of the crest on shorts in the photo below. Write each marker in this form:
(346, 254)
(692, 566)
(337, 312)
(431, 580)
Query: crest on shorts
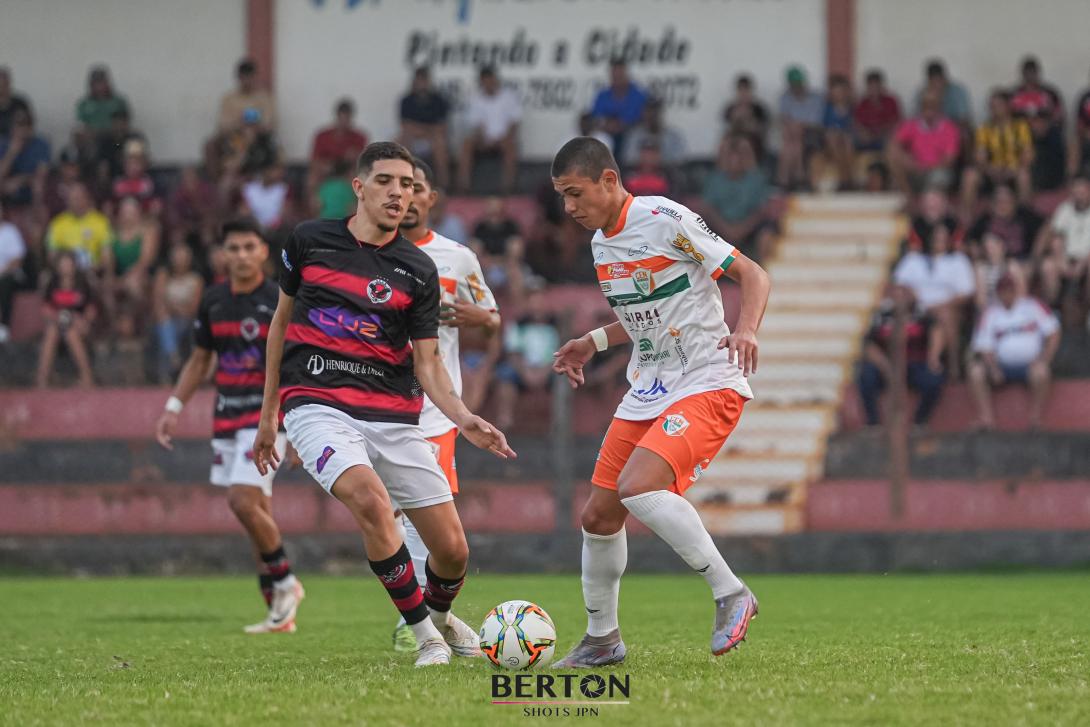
(644, 282)
(675, 425)
(324, 459)
(379, 290)
(249, 328)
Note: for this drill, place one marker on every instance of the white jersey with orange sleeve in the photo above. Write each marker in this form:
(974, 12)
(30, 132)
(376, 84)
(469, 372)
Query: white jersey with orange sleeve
(460, 279)
(657, 268)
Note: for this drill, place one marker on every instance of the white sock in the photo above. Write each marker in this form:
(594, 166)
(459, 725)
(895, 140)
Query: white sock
(424, 630)
(417, 550)
(675, 520)
(604, 560)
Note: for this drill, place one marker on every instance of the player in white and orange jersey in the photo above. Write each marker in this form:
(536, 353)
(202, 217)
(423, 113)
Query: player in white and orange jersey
(657, 263)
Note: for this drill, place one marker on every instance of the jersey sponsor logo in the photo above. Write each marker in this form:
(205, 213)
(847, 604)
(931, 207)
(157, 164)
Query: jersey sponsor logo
(606, 286)
(637, 251)
(669, 212)
(699, 470)
(249, 328)
(682, 356)
(262, 308)
(638, 321)
(238, 402)
(643, 280)
(379, 290)
(315, 364)
(476, 287)
(284, 258)
(704, 226)
(343, 323)
(237, 363)
(675, 425)
(324, 459)
(685, 245)
(651, 393)
(648, 355)
(617, 270)
(318, 365)
(399, 271)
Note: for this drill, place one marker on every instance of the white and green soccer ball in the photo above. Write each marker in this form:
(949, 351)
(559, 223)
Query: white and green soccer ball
(518, 635)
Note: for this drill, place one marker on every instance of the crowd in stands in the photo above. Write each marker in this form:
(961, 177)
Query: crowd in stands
(120, 250)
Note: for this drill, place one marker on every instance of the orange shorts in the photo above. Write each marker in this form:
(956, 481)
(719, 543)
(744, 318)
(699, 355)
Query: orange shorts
(687, 435)
(443, 446)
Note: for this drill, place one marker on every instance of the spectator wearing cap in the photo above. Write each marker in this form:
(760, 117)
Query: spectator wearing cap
(735, 197)
(876, 114)
(237, 107)
(652, 128)
(802, 112)
(1033, 96)
(12, 252)
(1063, 249)
(10, 102)
(1004, 153)
(24, 162)
(924, 345)
(96, 110)
(423, 124)
(81, 230)
(493, 117)
(340, 141)
(746, 114)
(924, 150)
(1014, 344)
(952, 97)
(619, 105)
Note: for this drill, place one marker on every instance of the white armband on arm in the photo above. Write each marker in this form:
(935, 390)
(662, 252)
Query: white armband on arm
(600, 338)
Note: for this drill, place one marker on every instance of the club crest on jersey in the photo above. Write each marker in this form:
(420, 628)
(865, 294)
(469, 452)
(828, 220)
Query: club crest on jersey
(675, 425)
(287, 263)
(249, 328)
(379, 291)
(324, 459)
(643, 280)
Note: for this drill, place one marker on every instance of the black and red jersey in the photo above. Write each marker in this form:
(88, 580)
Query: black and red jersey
(357, 309)
(236, 327)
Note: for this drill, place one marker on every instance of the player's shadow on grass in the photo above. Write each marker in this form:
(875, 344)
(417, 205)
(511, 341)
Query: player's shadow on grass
(155, 618)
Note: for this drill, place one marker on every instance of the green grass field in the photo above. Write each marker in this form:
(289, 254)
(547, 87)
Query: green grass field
(962, 649)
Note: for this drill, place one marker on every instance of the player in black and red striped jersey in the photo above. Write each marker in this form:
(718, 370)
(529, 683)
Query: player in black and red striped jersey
(232, 324)
(352, 350)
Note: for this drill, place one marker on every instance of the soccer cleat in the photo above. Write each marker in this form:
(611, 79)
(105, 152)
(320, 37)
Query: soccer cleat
(266, 628)
(404, 638)
(595, 651)
(432, 652)
(461, 639)
(732, 617)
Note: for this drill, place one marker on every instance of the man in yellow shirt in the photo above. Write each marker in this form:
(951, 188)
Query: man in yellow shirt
(1004, 153)
(80, 229)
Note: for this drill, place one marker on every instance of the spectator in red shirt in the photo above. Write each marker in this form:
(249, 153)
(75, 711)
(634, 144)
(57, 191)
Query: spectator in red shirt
(1034, 95)
(135, 180)
(340, 141)
(648, 177)
(876, 115)
(924, 149)
(194, 204)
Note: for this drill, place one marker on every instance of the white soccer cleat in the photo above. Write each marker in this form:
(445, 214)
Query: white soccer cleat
(461, 639)
(266, 628)
(433, 651)
(285, 604)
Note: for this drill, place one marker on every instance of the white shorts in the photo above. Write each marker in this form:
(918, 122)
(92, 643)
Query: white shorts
(329, 442)
(233, 461)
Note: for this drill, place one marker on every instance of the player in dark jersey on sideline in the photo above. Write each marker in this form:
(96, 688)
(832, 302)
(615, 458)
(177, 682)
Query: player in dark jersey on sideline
(233, 323)
(352, 350)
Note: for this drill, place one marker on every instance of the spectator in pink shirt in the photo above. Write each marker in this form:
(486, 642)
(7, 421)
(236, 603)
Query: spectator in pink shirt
(924, 149)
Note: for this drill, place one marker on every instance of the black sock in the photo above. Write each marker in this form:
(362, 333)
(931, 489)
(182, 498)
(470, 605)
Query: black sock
(399, 579)
(277, 563)
(441, 592)
(266, 582)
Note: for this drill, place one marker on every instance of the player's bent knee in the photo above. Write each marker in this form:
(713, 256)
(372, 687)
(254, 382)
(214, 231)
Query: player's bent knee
(597, 521)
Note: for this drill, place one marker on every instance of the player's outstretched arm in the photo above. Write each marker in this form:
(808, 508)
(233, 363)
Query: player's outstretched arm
(434, 379)
(196, 366)
(755, 284)
(573, 355)
(265, 454)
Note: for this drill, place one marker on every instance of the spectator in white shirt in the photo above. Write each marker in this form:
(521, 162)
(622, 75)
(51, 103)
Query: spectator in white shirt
(12, 252)
(265, 198)
(943, 281)
(1014, 344)
(494, 115)
(1063, 245)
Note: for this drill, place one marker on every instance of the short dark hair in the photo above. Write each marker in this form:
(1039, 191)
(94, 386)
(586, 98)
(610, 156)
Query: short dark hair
(839, 79)
(584, 155)
(618, 61)
(379, 150)
(744, 80)
(429, 173)
(1031, 63)
(874, 75)
(422, 71)
(935, 67)
(1000, 93)
(246, 67)
(345, 104)
(244, 225)
(486, 72)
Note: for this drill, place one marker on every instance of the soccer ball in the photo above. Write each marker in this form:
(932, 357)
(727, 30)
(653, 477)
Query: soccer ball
(518, 635)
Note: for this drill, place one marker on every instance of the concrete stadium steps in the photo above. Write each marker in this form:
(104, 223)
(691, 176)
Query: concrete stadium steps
(828, 271)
